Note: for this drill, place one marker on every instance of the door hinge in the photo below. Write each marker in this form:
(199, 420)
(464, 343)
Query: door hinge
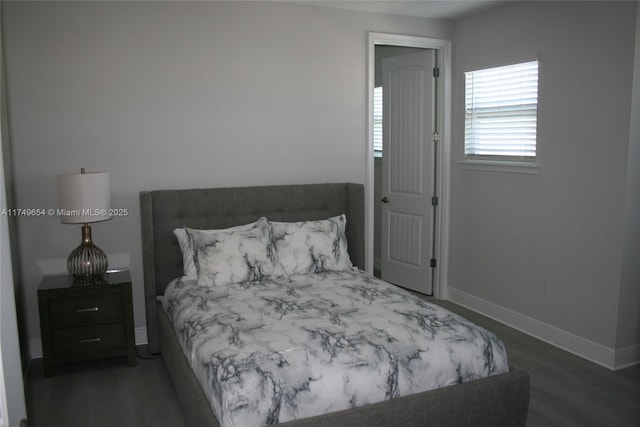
(434, 201)
(433, 263)
(436, 71)
(435, 137)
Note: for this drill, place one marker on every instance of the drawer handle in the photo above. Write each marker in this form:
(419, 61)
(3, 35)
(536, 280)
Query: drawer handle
(89, 340)
(86, 310)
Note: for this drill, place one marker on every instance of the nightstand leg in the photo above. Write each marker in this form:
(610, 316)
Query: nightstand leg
(132, 357)
(47, 364)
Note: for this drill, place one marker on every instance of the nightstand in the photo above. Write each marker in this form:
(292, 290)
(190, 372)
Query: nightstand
(81, 322)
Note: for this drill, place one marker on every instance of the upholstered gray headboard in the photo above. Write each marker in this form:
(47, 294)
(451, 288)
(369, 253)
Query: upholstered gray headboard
(162, 211)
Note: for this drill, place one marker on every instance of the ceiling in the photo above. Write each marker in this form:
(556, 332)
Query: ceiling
(436, 9)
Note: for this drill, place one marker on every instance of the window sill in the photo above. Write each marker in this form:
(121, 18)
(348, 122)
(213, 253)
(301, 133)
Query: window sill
(500, 166)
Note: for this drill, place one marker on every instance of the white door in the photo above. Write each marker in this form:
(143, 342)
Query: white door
(408, 170)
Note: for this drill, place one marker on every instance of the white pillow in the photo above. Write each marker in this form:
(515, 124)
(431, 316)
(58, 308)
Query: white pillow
(312, 246)
(229, 257)
(188, 265)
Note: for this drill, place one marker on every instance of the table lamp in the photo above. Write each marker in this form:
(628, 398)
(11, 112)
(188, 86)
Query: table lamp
(85, 198)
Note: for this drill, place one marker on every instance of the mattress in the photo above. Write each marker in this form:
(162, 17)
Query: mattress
(293, 347)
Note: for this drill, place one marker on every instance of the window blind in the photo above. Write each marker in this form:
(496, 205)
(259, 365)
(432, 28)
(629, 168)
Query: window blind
(377, 119)
(501, 112)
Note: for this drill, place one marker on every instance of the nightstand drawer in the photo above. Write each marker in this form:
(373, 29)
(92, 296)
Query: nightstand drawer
(88, 339)
(86, 309)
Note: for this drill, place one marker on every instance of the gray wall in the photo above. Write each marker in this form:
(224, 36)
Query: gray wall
(629, 314)
(178, 95)
(567, 222)
(12, 399)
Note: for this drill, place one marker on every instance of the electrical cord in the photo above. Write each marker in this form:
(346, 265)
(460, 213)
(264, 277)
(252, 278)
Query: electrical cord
(147, 356)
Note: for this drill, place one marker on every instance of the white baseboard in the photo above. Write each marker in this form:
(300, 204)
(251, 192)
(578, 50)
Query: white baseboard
(597, 353)
(35, 349)
(141, 335)
(35, 346)
(626, 357)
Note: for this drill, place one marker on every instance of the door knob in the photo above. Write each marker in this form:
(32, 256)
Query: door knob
(384, 200)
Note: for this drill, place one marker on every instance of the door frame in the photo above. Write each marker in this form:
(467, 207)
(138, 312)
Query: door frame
(443, 106)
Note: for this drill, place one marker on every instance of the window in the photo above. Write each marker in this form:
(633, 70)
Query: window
(501, 113)
(377, 121)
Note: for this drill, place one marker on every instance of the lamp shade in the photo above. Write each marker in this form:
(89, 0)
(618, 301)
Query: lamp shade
(84, 197)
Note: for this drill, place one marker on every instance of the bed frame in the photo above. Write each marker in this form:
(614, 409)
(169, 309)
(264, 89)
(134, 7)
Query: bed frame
(500, 400)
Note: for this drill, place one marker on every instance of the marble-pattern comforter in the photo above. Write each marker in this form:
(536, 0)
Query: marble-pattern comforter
(305, 345)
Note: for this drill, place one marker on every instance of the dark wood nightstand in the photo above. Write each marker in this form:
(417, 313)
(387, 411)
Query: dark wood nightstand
(81, 322)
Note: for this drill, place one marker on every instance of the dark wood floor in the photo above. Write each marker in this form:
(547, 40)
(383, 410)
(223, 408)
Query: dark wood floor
(104, 393)
(565, 389)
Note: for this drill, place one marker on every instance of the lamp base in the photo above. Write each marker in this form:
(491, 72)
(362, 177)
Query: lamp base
(87, 262)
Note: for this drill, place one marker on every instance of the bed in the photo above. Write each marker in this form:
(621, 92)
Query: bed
(500, 399)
